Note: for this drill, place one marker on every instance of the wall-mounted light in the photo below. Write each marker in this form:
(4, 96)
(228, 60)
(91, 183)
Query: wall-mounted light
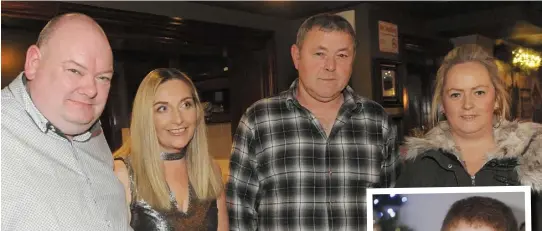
(526, 59)
(405, 99)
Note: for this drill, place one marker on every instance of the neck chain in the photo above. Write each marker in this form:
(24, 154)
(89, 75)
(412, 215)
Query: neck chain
(173, 156)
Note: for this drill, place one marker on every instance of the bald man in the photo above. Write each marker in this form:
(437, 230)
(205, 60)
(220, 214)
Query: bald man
(56, 164)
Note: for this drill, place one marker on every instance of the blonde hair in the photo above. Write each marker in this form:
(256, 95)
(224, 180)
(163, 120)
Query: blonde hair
(146, 164)
(464, 54)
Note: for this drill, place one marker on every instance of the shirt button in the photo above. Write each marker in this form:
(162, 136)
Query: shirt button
(449, 165)
(330, 172)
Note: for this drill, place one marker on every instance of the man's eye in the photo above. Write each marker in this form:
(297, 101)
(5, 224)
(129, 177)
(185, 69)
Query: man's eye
(74, 71)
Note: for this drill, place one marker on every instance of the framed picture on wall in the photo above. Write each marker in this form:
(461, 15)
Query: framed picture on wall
(388, 82)
(387, 85)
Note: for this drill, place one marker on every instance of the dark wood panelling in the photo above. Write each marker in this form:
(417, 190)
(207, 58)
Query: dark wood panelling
(218, 57)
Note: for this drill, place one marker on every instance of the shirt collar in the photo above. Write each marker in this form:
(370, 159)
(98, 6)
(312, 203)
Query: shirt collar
(351, 99)
(20, 91)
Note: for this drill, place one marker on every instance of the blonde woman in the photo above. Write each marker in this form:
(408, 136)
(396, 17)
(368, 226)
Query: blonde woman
(472, 143)
(172, 180)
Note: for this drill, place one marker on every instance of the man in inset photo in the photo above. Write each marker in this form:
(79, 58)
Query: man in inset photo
(479, 214)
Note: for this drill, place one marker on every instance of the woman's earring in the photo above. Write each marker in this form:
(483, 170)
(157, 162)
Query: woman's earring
(443, 115)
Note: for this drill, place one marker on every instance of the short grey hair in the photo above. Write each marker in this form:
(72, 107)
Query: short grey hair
(326, 22)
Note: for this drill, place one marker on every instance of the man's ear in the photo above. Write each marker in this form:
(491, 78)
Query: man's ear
(33, 58)
(295, 52)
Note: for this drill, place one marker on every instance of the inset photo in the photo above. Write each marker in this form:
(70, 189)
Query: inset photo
(449, 209)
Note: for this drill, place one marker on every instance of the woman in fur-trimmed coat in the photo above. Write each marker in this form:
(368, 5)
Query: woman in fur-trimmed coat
(434, 161)
(471, 143)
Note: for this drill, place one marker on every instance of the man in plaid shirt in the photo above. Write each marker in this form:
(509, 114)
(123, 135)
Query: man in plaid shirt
(302, 160)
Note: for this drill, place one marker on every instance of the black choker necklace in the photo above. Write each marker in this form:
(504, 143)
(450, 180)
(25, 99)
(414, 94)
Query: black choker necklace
(173, 156)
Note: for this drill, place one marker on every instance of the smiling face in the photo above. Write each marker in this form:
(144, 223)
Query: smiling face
(70, 74)
(175, 115)
(324, 62)
(468, 99)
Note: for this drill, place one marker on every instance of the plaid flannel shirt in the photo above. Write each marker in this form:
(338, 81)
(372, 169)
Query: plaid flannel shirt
(286, 174)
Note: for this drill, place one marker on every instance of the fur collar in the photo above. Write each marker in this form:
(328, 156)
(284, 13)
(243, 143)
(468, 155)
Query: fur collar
(514, 139)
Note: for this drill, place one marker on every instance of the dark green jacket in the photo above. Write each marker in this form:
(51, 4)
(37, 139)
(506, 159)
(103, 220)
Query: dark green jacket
(433, 161)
